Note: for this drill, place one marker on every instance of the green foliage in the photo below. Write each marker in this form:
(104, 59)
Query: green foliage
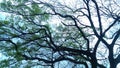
(3, 5)
(45, 17)
(36, 9)
(27, 28)
(6, 22)
(18, 57)
(4, 63)
(21, 1)
(80, 58)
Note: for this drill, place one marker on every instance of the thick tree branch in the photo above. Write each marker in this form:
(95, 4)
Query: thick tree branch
(99, 16)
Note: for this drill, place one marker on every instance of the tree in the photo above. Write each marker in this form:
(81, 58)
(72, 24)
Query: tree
(86, 33)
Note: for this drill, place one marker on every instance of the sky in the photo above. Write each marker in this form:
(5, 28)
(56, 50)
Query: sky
(1, 0)
(2, 16)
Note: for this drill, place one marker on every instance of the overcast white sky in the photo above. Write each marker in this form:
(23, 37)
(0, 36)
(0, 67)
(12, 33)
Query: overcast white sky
(2, 15)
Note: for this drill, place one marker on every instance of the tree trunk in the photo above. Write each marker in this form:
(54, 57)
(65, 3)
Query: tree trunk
(113, 64)
(94, 62)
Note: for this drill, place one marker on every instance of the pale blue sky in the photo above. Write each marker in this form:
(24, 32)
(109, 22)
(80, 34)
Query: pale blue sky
(2, 16)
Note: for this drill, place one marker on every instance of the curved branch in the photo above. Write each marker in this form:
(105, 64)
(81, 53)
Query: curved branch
(98, 15)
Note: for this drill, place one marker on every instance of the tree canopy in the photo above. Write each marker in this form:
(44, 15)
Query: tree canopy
(60, 33)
